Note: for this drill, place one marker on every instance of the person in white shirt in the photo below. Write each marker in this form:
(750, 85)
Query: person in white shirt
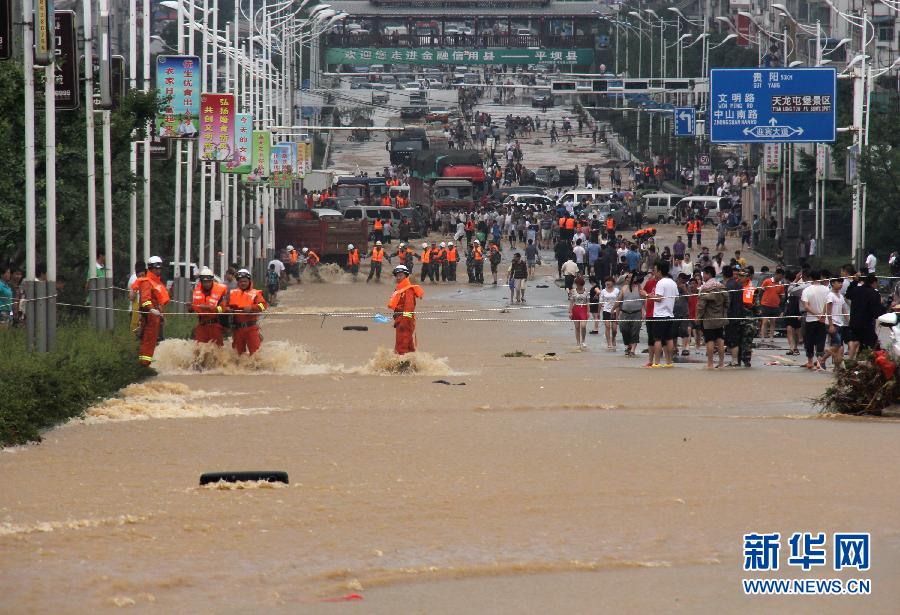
(569, 270)
(579, 252)
(871, 261)
(663, 323)
(813, 300)
(609, 296)
(836, 319)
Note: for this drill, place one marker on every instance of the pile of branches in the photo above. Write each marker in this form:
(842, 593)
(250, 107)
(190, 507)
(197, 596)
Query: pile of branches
(861, 387)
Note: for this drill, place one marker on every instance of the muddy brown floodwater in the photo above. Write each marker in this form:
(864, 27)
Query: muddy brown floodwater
(581, 484)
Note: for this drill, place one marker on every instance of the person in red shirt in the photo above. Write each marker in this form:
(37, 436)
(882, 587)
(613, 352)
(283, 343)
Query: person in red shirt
(770, 304)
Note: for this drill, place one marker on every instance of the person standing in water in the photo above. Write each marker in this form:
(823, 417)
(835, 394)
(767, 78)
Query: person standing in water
(403, 302)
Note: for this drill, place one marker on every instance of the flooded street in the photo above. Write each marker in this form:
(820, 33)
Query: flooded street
(510, 484)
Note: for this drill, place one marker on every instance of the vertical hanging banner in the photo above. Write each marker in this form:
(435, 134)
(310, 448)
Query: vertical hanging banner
(5, 29)
(43, 32)
(303, 159)
(772, 158)
(243, 129)
(281, 165)
(175, 79)
(67, 86)
(217, 127)
(260, 158)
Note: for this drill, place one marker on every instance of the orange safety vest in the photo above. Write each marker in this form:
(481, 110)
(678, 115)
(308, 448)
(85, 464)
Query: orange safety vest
(386, 200)
(352, 257)
(451, 255)
(294, 257)
(476, 251)
(435, 255)
(377, 254)
(698, 226)
(470, 225)
(426, 256)
(570, 224)
(379, 225)
(749, 293)
(243, 299)
(405, 256)
(610, 223)
(153, 292)
(562, 223)
(690, 227)
(402, 301)
(312, 258)
(203, 302)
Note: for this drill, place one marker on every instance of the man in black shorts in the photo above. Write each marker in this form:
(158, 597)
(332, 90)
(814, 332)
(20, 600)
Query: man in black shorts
(664, 329)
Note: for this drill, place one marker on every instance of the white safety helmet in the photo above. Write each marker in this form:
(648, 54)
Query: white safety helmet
(402, 245)
(290, 248)
(206, 272)
(476, 241)
(401, 269)
(154, 261)
(443, 245)
(243, 273)
(305, 250)
(377, 243)
(424, 245)
(349, 246)
(450, 243)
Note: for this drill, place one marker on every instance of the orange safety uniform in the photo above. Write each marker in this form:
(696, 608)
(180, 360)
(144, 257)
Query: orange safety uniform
(209, 306)
(452, 256)
(562, 223)
(352, 257)
(379, 225)
(749, 294)
(426, 256)
(246, 336)
(312, 259)
(153, 295)
(477, 253)
(610, 223)
(470, 225)
(294, 256)
(403, 303)
(570, 224)
(436, 256)
(386, 200)
(377, 254)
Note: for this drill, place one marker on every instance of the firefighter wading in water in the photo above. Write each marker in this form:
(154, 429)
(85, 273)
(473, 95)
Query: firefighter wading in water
(153, 298)
(403, 302)
(245, 303)
(209, 300)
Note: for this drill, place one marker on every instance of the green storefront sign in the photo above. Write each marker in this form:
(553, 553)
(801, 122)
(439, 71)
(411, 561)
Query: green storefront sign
(366, 56)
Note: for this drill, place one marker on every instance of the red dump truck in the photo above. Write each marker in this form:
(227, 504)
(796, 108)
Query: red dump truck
(324, 231)
(446, 179)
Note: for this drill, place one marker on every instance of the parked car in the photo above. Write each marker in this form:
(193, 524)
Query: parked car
(437, 114)
(660, 207)
(542, 101)
(412, 113)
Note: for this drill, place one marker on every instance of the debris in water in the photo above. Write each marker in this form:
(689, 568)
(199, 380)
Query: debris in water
(458, 384)
(234, 477)
(241, 485)
(516, 353)
(356, 328)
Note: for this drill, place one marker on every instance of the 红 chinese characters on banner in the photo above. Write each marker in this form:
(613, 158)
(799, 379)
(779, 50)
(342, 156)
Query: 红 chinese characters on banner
(304, 159)
(217, 127)
(260, 155)
(243, 131)
(176, 77)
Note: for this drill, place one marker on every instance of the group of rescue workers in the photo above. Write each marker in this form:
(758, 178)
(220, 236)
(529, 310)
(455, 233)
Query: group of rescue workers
(218, 308)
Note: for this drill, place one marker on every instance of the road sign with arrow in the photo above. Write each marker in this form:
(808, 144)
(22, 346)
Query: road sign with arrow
(685, 124)
(772, 105)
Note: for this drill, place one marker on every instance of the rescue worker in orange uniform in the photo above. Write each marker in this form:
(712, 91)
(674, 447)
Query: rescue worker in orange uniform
(406, 256)
(153, 298)
(378, 230)
(452, 260)
(246, 303)
(352, 260)
(434, 258)
(403, 303)
(426, 263)
(442, 259)
(312, 263)
(610, 227)
(478, 256)
(377, 257)
(209, 300)
(294, 262)
(689, 231)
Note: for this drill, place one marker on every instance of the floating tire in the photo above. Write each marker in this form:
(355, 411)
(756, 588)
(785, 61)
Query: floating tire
(356, 328)
(233, 477)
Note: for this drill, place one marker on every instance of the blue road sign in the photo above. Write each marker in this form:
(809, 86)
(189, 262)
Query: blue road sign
(684, 122)
(772, 105)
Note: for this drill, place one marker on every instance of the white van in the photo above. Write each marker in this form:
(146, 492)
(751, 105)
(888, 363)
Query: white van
(581, 194)
(660, 207)
(710, 207)
(373, 212)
